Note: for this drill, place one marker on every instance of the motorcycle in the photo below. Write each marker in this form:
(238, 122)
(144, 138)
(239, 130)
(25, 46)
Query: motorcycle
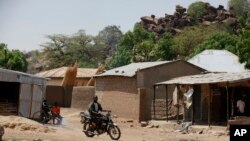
(100, 125)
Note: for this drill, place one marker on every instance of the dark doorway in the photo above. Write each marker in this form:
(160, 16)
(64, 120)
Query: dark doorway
(197, 103)
(219, 105)
(9, 98)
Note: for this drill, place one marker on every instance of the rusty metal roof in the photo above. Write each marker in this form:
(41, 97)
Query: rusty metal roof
(209, 78)
(60, 72)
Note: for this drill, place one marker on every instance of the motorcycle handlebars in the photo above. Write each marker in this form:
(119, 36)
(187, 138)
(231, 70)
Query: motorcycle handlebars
(106, 111)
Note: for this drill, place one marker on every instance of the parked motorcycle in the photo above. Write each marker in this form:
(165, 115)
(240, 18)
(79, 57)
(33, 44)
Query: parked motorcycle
(100, 125)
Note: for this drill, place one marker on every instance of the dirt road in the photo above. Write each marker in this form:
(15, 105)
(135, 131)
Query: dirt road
(71, 130)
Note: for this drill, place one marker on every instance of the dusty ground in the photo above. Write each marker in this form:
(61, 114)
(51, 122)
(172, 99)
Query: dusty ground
(17, 128)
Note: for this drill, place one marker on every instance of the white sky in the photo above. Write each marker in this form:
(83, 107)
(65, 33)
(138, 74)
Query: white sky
(24, 23)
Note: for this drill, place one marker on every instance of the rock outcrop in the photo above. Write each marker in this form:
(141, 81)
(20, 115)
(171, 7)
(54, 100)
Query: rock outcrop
(180, 19)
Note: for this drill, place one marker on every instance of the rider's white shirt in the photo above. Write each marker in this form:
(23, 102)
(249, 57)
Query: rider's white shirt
(96, 106)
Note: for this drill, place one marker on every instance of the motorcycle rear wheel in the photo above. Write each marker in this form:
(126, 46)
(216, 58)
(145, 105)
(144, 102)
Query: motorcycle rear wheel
(114, 132)
(88, 131)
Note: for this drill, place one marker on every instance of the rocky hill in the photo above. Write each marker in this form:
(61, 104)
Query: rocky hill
(180, 19)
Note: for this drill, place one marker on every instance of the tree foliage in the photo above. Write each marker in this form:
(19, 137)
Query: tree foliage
(196, 10)
(218, 41)
(12, 59)
(240, 7)
(140, 46)
(243, 44)
(62, 50)
(185, 42)
(111, 36)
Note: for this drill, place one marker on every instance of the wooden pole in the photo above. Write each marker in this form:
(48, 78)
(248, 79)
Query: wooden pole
(154, 102)
(166, 86)
(227, 103)
(178, 107)
(193, 102)
(232, 101)
(209, 106)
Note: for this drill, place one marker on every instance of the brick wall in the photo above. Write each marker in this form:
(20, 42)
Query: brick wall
(82, 97)
(120, 95)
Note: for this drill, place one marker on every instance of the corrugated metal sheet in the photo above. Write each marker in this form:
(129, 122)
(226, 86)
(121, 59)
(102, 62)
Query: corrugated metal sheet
(37, 99)
(218, 61)
(210, 78)
(131, 69)
(15, 76)
(25, 99)
(60, 72)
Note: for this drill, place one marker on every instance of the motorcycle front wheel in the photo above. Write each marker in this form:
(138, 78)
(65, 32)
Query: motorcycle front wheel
(114, 132)
(87, 127)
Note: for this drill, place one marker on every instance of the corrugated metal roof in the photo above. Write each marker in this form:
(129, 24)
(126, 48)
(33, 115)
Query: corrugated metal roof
(218, 61)
(60, 72)
(131, 69)
(209, 78)
(20, 77)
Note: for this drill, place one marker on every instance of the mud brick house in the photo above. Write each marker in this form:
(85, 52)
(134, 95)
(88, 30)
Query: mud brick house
(21, 93)
(128, 90)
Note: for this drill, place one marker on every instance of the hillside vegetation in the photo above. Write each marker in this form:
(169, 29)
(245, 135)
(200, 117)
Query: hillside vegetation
(185, 33)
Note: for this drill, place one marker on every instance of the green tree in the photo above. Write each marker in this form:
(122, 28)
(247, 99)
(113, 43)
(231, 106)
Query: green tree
(4, 53)
(62, 50)
(88, 50)
(218, 41)
(134, 46)
(140, 46)
(243, 46)
(14, 60)
(55, 50)
(240, 7)
(196, 10)
(185, 42)
(163, 48)
(111, 36)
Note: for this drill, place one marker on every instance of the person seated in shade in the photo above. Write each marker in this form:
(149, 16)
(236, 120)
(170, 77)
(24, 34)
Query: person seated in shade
(45, 108)
(56, 113)
(240, 107)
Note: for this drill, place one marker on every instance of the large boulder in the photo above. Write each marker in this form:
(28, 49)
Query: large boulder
(180, 9)
(230, 21)
(180, 19)
(149, 20)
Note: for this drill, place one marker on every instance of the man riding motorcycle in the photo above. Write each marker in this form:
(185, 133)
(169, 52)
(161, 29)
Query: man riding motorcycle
(94, 110)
